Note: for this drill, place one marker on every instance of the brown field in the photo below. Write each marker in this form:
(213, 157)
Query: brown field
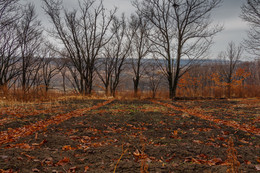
(91, 135)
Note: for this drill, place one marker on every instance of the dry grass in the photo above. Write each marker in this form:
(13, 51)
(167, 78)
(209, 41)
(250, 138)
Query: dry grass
(10, 97)
(122, 154)
(129, 95)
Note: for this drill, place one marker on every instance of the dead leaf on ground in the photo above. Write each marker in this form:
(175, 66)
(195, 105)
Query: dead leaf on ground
(64, 161)
(86, 168)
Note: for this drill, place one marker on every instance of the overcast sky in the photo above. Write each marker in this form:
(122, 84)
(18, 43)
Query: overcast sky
(228, 15)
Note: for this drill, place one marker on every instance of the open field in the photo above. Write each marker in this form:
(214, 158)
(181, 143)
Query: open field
(81, 135)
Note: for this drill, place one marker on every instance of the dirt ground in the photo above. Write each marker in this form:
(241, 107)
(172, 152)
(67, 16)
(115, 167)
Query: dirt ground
(130, 136)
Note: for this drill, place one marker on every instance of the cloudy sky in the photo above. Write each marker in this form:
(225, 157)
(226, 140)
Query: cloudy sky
(228, 15)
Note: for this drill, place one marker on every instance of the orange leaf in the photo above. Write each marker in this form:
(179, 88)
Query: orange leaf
(197, 141)
(40, 144)
(72, 169)
(258, 160)
(28, 156)
(247, 162)
(175, 132)
(86, 168)
(66, 147)
(7, 171)
(64, 161)
(136, 153)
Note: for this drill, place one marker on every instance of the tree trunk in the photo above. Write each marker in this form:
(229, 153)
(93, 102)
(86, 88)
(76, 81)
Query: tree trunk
(107, 90)
(114, 93)
(229, 90)
(46, 88)
(136, 84)
(63, 84)
(170, 85)
(154, 93)
(23, 76)
(174, 88)
(177, 72)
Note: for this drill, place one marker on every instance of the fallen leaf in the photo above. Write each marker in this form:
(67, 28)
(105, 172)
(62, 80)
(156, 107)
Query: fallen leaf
(217, 161)
(35, 170)
(175, 132)
(243, 141)
(48, 161)
(19, 158)
(86, 168)
(21, 146)
(247, 162)
(197, 161)
(28, 156)
(66, 147)
(40, 144)
(136, 153)
(258, 160)
(7, 171)
(202, 156)
(170, 159)
(72, 169)
(64, 161)
(197, 141)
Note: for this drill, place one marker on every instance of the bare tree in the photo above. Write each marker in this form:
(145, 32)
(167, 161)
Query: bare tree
(63, 71)
(140, 48)
(181, 29)
(30, 37)
(51, 66)
(154, 76)
(119, 49)
(8, 55)
(9, 16)
(9, 12)
(230, 59)
(105, 67)
(251, 14)
(83, 35)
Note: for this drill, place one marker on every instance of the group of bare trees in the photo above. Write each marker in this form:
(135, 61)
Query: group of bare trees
(95, 43)
(23, 63)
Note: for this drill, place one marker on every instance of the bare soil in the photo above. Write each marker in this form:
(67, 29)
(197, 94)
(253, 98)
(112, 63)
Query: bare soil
(152, 135)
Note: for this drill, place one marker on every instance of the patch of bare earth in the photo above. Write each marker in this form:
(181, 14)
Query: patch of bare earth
(131, 136)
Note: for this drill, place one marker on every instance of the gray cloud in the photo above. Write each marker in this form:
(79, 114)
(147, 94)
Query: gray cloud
(227, 14)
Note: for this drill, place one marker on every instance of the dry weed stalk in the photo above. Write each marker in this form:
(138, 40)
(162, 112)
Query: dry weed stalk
(143, 156)
(123, 152)
(140, 155)
(232, 161)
